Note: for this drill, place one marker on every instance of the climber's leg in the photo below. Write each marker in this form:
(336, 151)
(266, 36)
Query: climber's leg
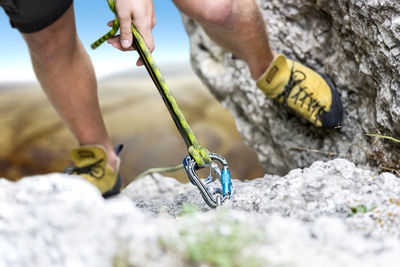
(238, 26)
(235, 25)
(66, 74)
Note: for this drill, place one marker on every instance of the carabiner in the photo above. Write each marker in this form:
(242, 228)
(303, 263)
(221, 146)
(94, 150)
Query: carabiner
(208, 192)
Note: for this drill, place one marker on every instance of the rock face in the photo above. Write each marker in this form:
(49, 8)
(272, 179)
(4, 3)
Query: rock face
(331, 214)
(356, 43)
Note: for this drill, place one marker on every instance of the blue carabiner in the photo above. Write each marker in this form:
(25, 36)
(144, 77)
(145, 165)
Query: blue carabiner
(226, 182)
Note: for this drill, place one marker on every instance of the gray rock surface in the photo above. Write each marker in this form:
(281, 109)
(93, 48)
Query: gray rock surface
(356, 43)
(306, 218)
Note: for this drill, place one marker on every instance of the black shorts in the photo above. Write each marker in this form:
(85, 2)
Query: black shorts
(34, 15)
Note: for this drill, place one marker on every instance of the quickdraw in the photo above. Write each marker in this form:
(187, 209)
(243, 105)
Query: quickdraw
(199, 156)
(208, 192)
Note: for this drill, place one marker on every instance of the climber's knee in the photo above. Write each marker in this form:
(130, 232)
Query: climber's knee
(210, 12)
(58, 39)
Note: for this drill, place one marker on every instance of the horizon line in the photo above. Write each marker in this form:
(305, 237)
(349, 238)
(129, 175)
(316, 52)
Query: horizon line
(101, 74)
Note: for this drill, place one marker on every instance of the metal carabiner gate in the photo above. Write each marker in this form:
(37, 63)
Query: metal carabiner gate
(208, 192)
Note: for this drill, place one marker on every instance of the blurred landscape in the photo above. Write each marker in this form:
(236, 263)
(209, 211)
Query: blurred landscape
(34, 141)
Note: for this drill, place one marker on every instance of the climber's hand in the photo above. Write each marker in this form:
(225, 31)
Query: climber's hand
(139, 13)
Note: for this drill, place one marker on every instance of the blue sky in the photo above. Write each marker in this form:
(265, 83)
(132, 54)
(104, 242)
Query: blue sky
(172, 44)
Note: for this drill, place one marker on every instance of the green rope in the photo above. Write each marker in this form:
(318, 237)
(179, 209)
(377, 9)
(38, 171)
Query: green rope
(159, 170)
(199, 153)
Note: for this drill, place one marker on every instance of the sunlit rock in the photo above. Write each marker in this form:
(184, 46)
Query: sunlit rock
(356, 43)
(331, 214)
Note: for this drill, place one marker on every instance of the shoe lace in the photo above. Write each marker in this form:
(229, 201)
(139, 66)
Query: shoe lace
(95, 170)
(296, 78)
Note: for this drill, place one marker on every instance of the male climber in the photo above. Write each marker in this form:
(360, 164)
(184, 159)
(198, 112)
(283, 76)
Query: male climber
(66, 74)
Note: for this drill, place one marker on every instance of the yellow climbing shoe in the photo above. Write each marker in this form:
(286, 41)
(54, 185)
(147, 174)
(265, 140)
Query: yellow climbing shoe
(91, 163)
(303, 90)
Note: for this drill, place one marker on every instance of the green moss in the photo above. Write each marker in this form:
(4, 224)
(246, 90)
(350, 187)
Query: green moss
(188, 209)
(221, 241)
(221, 245)
(121, 259)
(359, 209)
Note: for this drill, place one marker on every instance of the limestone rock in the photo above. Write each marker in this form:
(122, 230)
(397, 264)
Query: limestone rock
(331, 214)
(334, 189)
(60, 220)
(356, 43)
